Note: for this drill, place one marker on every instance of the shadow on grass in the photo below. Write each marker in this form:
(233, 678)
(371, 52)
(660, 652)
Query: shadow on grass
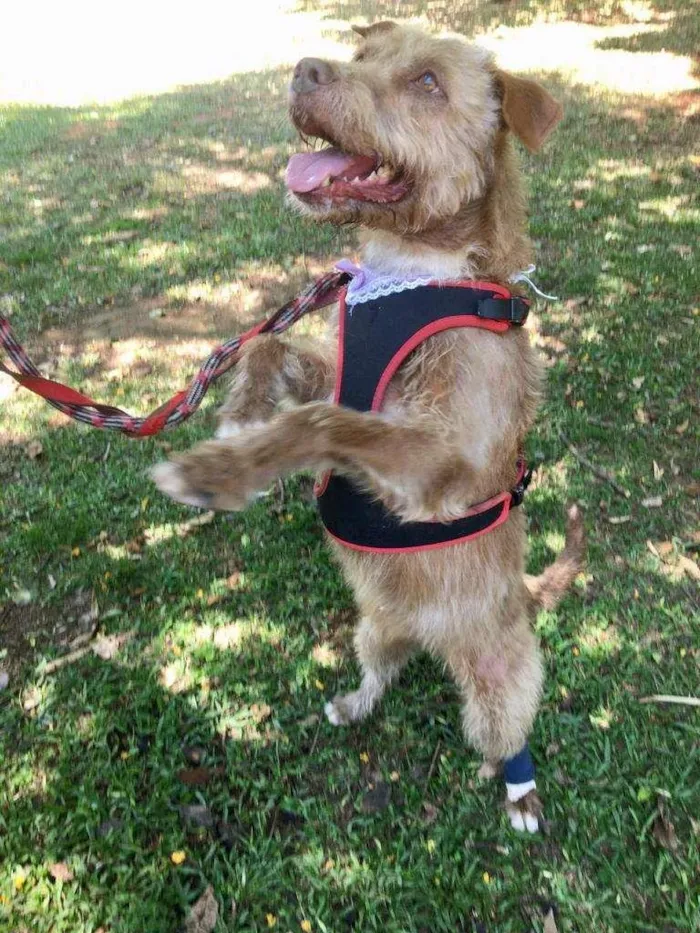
(109, 206)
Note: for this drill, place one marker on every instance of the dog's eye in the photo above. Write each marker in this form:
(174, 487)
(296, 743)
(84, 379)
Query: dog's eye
(428, 82)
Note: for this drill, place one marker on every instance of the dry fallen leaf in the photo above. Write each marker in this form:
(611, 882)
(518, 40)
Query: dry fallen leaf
(640, 416)
(198, 776)
(660, 548)
(204, 914)
(682, 428)
(34, 449)
(59, 871)
(108, 646)
(658, 471)
(664, 832)
(430, 812)
(619, 519)
(689, 567)
(638, 382)
(653, 502)
(550, 925)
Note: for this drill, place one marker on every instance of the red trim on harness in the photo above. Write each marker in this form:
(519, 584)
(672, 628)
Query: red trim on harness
(445, 323)
(428, 547)
(500, 290)
(505, 497)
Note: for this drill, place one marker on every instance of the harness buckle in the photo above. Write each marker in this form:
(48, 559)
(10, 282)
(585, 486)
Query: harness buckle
(517, 493)
(513, 310)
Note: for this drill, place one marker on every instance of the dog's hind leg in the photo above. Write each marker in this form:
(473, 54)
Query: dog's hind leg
(501, 692)
(381, 660)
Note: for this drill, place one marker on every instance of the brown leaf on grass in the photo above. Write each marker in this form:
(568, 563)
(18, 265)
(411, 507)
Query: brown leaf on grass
(185, 528)
(430, 812)
(619, 519)
(660, 549)
(233, 580)
(640, 416)
(34, 449)
(204, 914)
(692, 490)
(59, 871)
(658, 471)
(689, 567)
(664, 831)
(197, 777)
(135, 545)
(550, 925)
(652, 502)
(682, 428)
(108, 646)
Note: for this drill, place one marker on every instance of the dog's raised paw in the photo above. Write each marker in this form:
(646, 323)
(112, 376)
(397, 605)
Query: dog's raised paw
(169, 477)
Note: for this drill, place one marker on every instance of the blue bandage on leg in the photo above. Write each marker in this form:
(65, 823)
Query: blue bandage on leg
(519, 772)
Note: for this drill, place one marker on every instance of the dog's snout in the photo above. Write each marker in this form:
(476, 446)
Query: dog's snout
(312, 73)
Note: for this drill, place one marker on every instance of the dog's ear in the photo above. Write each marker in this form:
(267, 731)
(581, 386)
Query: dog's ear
(528, 110)
(375, 29)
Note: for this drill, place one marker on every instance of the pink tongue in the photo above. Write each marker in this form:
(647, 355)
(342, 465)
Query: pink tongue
(308, 170)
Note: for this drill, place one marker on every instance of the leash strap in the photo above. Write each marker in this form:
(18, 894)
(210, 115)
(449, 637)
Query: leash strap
(179, 408)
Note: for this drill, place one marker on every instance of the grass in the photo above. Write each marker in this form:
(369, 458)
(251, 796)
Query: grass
(233, 633)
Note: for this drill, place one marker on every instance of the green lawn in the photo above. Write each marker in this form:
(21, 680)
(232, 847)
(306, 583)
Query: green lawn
(133, 235)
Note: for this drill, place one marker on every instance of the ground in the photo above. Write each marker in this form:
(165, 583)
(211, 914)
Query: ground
(178, 741)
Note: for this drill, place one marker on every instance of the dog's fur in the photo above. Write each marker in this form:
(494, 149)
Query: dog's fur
(456, 412)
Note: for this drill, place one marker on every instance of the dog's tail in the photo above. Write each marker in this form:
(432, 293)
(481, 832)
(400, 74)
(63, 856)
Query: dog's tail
(546, 590)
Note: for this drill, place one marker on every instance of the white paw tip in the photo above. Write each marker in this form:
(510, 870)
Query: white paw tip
(332, 715)
(168, 478)
(523, 822)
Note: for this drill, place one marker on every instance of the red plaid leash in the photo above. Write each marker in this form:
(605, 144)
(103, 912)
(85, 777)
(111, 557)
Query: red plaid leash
(78, 406)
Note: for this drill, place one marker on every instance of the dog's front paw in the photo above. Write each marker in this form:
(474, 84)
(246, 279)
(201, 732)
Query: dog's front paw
(169, 476)
(525, 814)
(212, 475)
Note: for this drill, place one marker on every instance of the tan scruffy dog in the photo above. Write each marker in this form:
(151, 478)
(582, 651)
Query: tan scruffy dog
(421, 158)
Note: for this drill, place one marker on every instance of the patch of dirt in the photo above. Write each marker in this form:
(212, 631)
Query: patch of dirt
(26, 631)
(247, 302)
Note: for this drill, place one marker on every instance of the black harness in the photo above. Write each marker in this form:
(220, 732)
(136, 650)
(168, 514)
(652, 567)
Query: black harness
(375, 337)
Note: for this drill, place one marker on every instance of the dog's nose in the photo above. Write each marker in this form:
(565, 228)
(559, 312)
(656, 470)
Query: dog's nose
(312, 73)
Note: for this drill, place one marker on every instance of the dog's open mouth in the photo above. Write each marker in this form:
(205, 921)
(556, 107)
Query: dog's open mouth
(334, 175)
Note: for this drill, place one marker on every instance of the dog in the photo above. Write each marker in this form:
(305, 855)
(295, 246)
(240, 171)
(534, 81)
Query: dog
(419, 155)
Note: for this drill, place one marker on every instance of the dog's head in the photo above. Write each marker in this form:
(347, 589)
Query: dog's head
(412, 122)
